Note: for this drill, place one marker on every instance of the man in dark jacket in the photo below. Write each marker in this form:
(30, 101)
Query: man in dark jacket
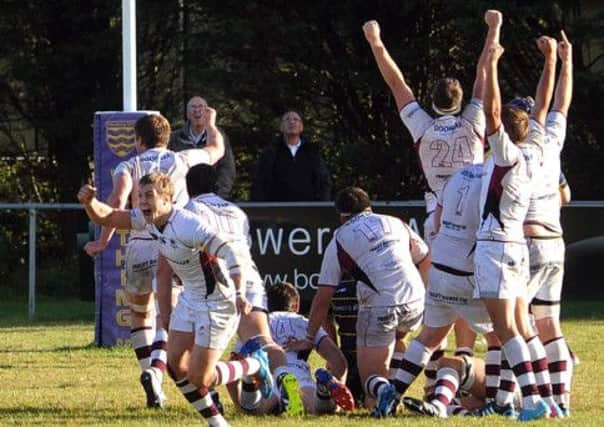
(291, 168)
(193, 135)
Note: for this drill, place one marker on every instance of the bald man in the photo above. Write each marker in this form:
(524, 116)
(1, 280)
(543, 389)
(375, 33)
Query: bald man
(194, 135)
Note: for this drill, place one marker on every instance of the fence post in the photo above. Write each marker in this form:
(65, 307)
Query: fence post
(32, 264)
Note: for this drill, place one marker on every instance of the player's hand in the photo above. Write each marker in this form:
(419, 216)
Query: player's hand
(565, 48)
(298, 345)
(94, 248)
(209, 117)
(547, 46)
(86, 194)
(493, 18)
(242, 304)
(372, 31)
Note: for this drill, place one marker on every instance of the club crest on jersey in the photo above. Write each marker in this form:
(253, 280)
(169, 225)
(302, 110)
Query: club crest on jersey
(120, 136)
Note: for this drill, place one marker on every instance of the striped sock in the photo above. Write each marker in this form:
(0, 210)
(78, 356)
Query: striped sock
(492, 370)
(395, 363)
(464, 351)
(159, 355)
(227, 372)
(250, 394)
(202, 402)
(415, 359)
(559, 361)
(539, 362)
(374, 384)
(447, 383)
(507, 384)
(141, 339)
(519, 358)
(432, 366)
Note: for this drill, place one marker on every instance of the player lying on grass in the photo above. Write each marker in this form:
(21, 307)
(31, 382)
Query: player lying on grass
(321, 395)
(206, 316)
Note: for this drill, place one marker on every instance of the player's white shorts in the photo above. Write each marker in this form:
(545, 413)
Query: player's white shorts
(255, 292)
(378, 326)
(301, 370)
(546, 257)
(500, 269)
(450, 297)
(212, 322)
(141, 264)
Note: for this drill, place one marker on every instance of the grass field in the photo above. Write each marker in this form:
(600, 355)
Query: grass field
(51, 374)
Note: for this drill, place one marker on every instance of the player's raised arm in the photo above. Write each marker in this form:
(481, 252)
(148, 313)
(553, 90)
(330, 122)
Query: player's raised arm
(545, 88)
(101, 213)
(493, 19)
(215, 142)
(390, 71)
(564, 89)
(492, 96)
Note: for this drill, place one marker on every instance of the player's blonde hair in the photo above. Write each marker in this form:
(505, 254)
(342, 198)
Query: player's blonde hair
(516, 122)
(161, 182)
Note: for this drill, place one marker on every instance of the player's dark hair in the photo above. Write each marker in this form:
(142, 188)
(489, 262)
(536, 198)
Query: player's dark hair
(201, 179)
(515, 122)
(352, 200)
(282, 297)
(154, 130)
(447, 95)
(162, 183)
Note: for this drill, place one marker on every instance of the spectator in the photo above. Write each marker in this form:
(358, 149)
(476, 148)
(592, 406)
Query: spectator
(194, 135)
(291, 168)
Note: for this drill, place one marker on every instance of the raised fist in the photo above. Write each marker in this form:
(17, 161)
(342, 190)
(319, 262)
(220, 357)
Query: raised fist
(494, 52)
(209, 115)
(86, 194)
(547, 46)
(493, 18)
(372, 31)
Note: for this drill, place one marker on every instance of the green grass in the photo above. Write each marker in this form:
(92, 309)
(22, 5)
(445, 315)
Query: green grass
(50, 374)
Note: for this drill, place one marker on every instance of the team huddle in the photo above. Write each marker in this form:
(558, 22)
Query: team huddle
(491, 263)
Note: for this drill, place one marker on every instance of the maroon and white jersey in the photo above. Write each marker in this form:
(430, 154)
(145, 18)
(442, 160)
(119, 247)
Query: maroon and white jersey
(231, 223)
(175, 165)
(285, 326)
(506, 187)
(189, 245)
(446, 143)
(544, 166)
(453, 246)
(379, 252)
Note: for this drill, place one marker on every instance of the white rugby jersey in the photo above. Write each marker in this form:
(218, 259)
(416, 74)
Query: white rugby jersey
(181, 241)
(544, 166)
(506, 187)
(175, 165)
(446, 143)
(380, 252)
(231, 223)
(453, 246)
(285, 326)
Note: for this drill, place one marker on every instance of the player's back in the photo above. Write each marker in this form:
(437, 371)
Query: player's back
(446, 143)
(377, 251)
(225, 217)
(460, 218)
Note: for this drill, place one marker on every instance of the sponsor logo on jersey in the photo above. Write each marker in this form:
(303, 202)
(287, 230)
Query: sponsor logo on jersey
(120, 137)
(446, 128)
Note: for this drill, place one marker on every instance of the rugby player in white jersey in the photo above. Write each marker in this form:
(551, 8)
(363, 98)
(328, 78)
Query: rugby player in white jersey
(152, 133)
(501, 258)
(447, 142)
(231, 222)
(543, 231)
(320, 395)
(381, 253)
(207, 313)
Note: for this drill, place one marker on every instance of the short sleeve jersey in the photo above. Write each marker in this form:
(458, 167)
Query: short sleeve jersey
(380, 253)
(175, 165)
(181, 242)
(445, 144)
(506, 187)
(453, 246)
(230, 222)
(285, 326)
(544, 166)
